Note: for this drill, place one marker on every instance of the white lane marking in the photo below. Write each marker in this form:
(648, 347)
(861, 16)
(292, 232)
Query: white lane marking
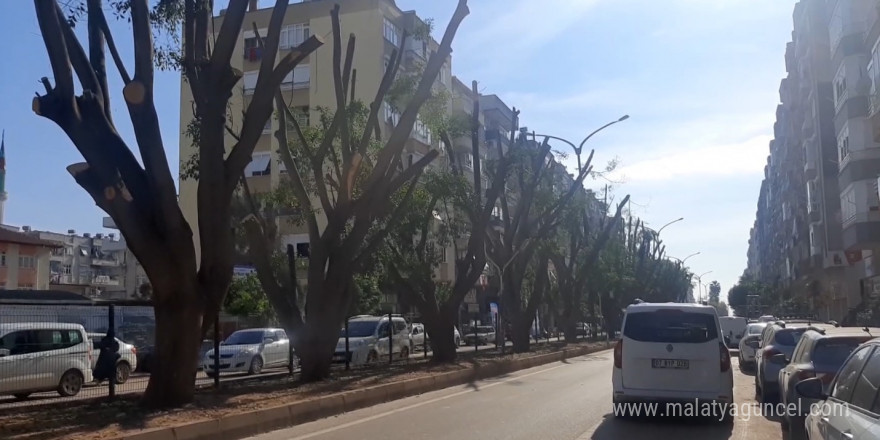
(427, 402)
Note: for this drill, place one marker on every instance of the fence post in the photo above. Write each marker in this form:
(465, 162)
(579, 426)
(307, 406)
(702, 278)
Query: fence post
(111, 333)
(217, 351)
(425, 341)
(390, 338)
(476, 338)
(347, 350)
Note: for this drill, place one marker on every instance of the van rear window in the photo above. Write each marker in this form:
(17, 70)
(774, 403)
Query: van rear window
(670, 326)
(789, 337)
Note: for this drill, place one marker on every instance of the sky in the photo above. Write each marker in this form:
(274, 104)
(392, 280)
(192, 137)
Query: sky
(699, 80)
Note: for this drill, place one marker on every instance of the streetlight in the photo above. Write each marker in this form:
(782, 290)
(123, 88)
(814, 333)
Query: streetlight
(674, 221)
(580, 148)
(680, 261)
(700, 284)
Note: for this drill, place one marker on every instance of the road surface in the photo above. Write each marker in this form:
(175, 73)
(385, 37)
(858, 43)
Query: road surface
(561, 401)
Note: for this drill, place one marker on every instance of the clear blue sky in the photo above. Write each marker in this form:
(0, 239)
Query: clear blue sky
(699, 79)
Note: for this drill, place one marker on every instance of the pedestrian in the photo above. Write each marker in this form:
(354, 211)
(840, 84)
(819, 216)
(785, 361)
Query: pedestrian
(108, 355)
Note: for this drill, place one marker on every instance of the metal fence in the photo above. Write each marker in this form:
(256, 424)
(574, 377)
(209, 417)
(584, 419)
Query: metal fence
(76, 352)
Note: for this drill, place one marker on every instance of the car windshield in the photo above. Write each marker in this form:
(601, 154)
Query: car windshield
(485, 329)
(755, 329)
(670, 325)
(359, 329)
(245, 338)
(789, 337)
(832, 352)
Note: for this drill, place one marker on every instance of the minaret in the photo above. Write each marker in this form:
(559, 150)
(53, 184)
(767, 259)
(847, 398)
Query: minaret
(3, 194)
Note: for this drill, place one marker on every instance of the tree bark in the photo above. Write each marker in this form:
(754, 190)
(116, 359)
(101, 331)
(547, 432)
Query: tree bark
(178, 337)
(440, 330)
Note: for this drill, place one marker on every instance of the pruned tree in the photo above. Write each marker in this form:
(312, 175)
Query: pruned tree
(531, 210)
(714, 292)
(141, 196)
(583, 239)
(360, 192)
(454, 206)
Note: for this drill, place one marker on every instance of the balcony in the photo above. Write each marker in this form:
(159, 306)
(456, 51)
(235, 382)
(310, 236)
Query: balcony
(105, 280)
(105, 262)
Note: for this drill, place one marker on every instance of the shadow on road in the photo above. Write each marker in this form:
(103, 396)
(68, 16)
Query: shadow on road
(613, 428)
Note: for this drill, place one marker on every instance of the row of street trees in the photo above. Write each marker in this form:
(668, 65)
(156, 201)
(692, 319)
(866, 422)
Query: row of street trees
(370, 218)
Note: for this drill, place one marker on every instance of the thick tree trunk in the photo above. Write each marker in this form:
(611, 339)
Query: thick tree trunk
(315, 350)
(569, 328)
(521, 334)
(178, 330)
(439, 327)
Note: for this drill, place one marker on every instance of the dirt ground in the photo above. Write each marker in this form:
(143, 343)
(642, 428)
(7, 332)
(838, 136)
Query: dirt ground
(100, 419)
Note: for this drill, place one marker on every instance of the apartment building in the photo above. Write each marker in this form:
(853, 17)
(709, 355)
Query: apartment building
(95, 265)
(24, 260)
(829, 113)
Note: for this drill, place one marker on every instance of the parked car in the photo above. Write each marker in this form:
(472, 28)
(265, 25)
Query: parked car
(778, 337)
(484, 334)
(249, 351)
(368, 339)
(749, 344)
(671, 352)
(127, 357)
(851, 408)
(44, 356)
(418, 337)
(819, 353)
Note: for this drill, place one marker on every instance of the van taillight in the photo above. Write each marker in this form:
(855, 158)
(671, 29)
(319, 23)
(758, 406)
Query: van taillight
(618, 354)
(725, 357)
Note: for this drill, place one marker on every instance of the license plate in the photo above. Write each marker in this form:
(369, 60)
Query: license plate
(676, 364)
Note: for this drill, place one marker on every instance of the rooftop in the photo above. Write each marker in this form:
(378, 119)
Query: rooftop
(9, 236)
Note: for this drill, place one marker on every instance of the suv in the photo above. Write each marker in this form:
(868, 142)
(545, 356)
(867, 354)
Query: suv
(44, 356)
(851, 409)
(819, 354)
(368, 339)
(778, 337)
(248, 351)
(671, 352)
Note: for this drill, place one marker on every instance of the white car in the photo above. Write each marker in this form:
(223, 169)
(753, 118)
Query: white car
(127, 357)
(851, 408)
(420, 338)
(368, 339)
(249, 351)
(672, 352)
(749, 344)
(44, 356)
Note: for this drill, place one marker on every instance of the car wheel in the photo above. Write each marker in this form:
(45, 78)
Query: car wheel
(21, 396)
(256, 365)
(70, 384)
(210, 374)
(123, 372)
(372, 357)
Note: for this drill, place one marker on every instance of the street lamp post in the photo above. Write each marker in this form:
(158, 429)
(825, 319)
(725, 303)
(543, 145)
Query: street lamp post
(664, 226)
(578, 149)
(681, 261)
(700, 284)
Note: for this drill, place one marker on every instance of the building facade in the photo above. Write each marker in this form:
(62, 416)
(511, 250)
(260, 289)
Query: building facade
(24, 261)
(816, 226)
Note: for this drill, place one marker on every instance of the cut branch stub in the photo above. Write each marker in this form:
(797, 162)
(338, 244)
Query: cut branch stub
(134, 92)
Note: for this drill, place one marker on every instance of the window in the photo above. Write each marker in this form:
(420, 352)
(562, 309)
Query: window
(293, 35)
(864, 394)
(268, 127)
(840, 93)
(392, 33)
(298, 78)
(834, 351)
(422, 132)
(670, 326)
(468, 161)
(2, 259)
(26, 286)
(848, 205)
(391, 116)
(874, 76)
(444, 74)
(67, 269)
(249, 81)
(280, 335)
(261, 165)
(252, 50)
(848, 374)
(843, 146)
(26, 262)
(302, 116)
(303, 250)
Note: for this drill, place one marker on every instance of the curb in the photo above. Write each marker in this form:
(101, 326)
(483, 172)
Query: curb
(246, 424)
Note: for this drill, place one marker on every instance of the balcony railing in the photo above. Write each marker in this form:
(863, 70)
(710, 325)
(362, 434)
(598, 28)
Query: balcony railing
(105, 262)
(105, 280)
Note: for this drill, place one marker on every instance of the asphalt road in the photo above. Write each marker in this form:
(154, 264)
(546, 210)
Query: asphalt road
(565, 400)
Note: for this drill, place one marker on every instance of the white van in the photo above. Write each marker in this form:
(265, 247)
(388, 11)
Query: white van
(368, 339)
(733, 328)
(44, 356)
(671, 352)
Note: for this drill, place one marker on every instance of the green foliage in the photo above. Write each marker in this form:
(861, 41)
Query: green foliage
(369, 294)
(714, 292)
(246, 298)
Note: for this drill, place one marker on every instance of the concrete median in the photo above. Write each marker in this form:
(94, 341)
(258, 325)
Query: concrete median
(240, 425)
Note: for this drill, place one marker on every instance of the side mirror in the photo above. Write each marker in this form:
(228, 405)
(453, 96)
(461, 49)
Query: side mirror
(811, 389)
(4, 352)
(779, 359)
(268, 340)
